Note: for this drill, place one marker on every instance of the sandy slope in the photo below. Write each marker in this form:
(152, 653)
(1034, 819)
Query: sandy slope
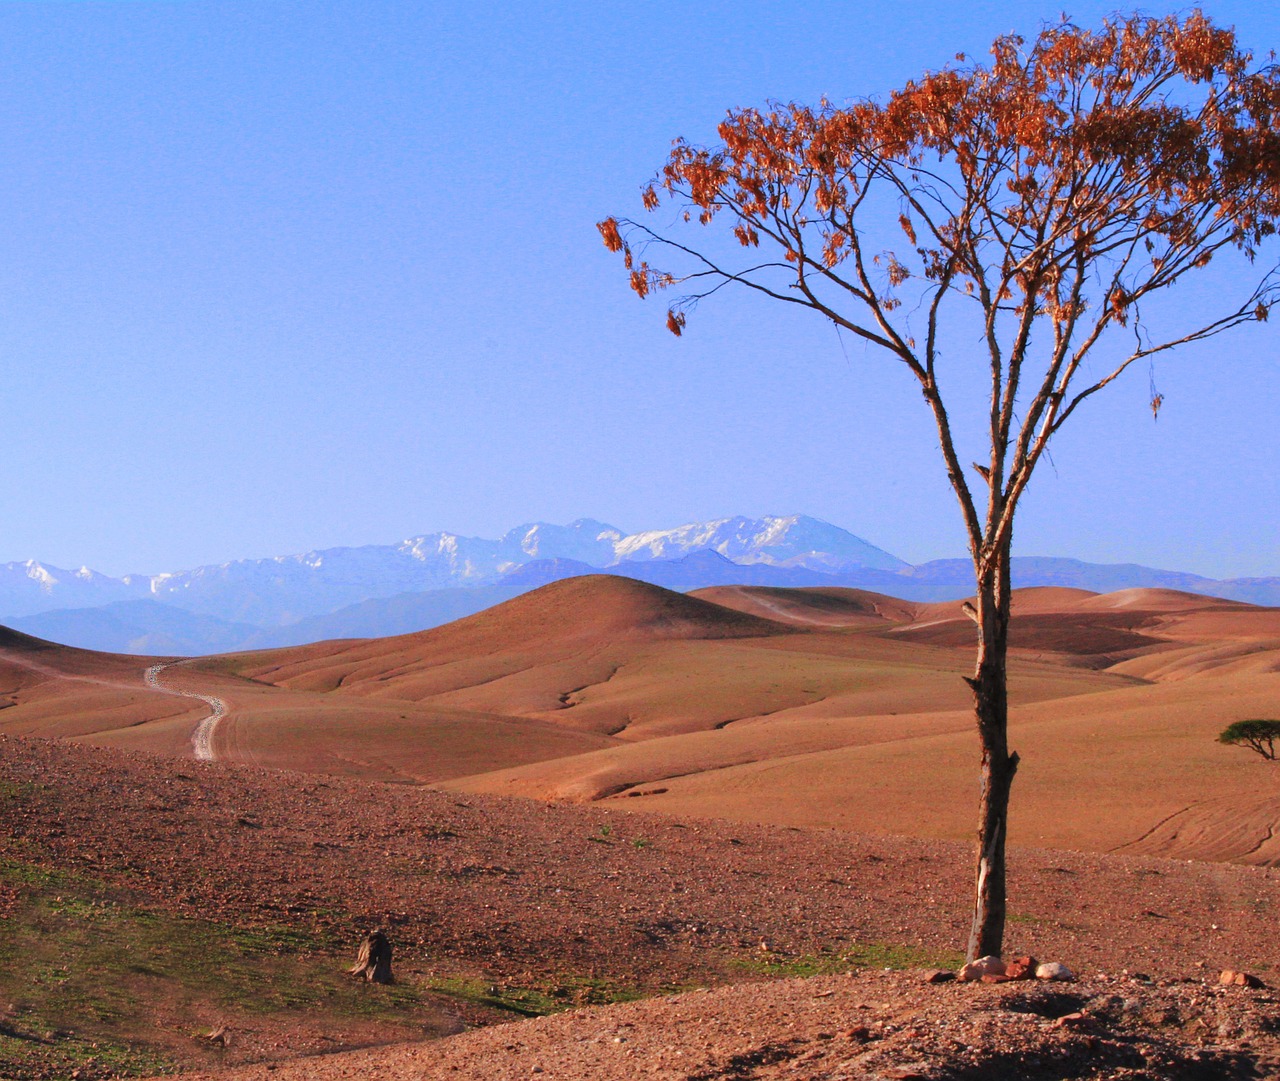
(825, 707)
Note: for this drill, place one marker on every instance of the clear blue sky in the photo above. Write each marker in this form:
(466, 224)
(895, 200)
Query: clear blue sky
(284, 275)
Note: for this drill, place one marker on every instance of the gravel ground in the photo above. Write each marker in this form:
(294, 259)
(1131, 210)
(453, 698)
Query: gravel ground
(872, 1025)
(518, 891)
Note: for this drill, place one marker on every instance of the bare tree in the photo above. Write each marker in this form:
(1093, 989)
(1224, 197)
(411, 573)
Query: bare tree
(1047, 200)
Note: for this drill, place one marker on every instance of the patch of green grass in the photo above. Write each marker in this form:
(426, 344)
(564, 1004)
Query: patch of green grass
(847, 959)
(18, 790)
(26, 1055)
(88, 972)
(16, 873)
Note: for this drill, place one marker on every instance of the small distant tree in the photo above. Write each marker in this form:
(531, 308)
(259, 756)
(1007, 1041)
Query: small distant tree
(1258, 736)
(1040, 206)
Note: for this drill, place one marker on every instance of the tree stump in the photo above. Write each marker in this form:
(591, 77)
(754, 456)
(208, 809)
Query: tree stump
(373, 962)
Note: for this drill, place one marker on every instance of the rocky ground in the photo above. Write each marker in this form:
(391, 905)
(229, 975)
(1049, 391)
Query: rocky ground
(871, 1025)
(588, 903)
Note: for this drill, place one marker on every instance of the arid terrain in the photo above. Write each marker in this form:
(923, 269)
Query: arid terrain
(804, 707)
(149, 905)
(738, 785)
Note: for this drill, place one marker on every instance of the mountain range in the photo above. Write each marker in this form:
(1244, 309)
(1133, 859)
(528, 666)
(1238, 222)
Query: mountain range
(425, 581)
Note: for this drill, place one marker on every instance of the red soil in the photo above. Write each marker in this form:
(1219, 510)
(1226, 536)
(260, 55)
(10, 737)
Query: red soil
(870, 1026)
(512, 891)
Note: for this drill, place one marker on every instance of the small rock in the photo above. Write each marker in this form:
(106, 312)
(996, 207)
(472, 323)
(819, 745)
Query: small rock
(1073, 1020)
(983, 966)
(1021, 969)
(1231, 978)
(938, 975)
(1054, 970)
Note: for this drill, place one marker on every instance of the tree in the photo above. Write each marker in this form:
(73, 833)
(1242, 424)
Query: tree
(1047, 201)
(1258, 736)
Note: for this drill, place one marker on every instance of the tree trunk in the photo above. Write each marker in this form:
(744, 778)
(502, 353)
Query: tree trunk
(373, 962)
(991, 707)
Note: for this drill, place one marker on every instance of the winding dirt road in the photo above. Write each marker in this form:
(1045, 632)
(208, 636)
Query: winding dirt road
(202, 737)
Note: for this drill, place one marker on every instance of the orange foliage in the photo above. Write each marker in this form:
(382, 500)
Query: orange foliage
(1067, 150)
(1051, 192)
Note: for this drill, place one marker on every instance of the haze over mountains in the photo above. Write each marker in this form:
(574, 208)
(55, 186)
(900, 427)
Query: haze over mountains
(424, 581)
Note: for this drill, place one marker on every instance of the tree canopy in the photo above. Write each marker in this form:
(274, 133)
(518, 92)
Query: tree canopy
(1047, 200)
(1257, 735)
(1057, 189)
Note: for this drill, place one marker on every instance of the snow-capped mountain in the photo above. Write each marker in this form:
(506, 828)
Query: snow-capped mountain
(437, 577)
(794, 541)
(29, 587)
(585, 540)
(281, 590)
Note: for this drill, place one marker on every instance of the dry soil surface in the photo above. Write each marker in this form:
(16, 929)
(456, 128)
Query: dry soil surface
(515, 892)
(866, 1026)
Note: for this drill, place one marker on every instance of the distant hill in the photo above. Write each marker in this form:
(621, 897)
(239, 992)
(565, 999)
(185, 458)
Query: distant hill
(820, 706)
(425, 581)
(141, 627)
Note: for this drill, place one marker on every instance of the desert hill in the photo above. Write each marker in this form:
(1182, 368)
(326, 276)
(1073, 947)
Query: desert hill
(561, 619)
(806, 707)
(1103, 764)
(58, 691)
(822, 606)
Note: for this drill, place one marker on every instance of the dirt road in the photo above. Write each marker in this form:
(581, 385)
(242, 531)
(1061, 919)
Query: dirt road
(202, 737)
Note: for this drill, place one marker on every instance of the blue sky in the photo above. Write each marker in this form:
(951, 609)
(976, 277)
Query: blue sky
(276, 276)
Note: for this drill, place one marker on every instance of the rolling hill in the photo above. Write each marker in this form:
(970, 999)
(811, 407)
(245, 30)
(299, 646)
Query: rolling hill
(811, 706)
(430, 580)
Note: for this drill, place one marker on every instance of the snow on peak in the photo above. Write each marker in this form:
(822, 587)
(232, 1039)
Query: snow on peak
(38, 574)
(586, 541)
(792, 541)
(280, 589)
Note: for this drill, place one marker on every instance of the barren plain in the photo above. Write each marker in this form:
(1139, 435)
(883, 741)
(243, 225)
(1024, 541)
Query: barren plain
(733, 785)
